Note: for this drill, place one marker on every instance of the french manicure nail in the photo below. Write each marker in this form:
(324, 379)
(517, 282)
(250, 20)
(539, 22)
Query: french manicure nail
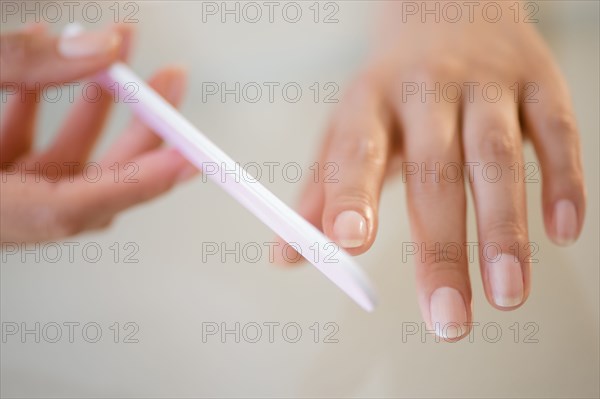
(448, 313)
(88, 44)
(350, 229)
(506, 280)
(565, 222)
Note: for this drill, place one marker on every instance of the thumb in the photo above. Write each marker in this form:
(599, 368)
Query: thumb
(33, 57)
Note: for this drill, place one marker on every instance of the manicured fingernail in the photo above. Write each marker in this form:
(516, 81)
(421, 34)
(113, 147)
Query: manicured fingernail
(565, 222)
(350, 229)
(88, 44)
(126, 35)
(506, 280)
(187, 173)
(448, 313)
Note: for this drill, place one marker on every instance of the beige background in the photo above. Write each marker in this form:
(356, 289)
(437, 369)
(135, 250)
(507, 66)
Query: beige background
(171, 292)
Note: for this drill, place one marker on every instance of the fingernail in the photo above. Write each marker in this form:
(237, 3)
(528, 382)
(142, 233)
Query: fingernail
(88, 44)
(187, 173)
(448, 313)
(506, 280)
(126, 36)
(565, 222)
(350, 229)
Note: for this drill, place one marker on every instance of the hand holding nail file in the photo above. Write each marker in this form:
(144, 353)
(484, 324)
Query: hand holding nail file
(151, 108)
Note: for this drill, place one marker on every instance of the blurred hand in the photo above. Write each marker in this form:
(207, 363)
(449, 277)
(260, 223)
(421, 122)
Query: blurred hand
(55, 193)
(387, 116)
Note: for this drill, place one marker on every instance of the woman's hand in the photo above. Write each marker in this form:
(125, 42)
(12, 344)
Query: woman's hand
(57, 192)
(404, 106)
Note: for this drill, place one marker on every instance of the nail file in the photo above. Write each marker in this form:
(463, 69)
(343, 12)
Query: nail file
(167, 122)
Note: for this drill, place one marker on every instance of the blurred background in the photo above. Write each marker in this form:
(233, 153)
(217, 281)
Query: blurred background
(161, 301)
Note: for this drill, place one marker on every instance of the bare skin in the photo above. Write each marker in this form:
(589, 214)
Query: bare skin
(382, 123)
(64, 195)
(386, 119)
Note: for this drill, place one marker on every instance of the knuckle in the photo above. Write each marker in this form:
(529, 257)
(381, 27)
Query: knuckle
(363, 84)
(497, 143)
(576, 179)
(355, 196)
(53, 222)
(562, 123)
(362, 90)
(432, 184)
(569, 169)
(427, 77)
(104, 224)
(360, 147)
(430, 72)
(435, 192)
(64, 218)
(442, 258)
(505, 233)
(147, 190)
(68, 224)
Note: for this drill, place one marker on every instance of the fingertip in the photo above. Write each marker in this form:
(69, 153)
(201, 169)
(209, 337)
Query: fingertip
(162, 169)
(505, 281)
(350, 229)
(178, 84)
(88, 44)
(187, 172)
(170, 83)
(448, 314)
(126, 33)
(284, 255)
(508, 307)
(564, 226)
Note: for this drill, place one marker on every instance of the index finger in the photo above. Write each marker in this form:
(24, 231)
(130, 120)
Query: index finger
(31, 58)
